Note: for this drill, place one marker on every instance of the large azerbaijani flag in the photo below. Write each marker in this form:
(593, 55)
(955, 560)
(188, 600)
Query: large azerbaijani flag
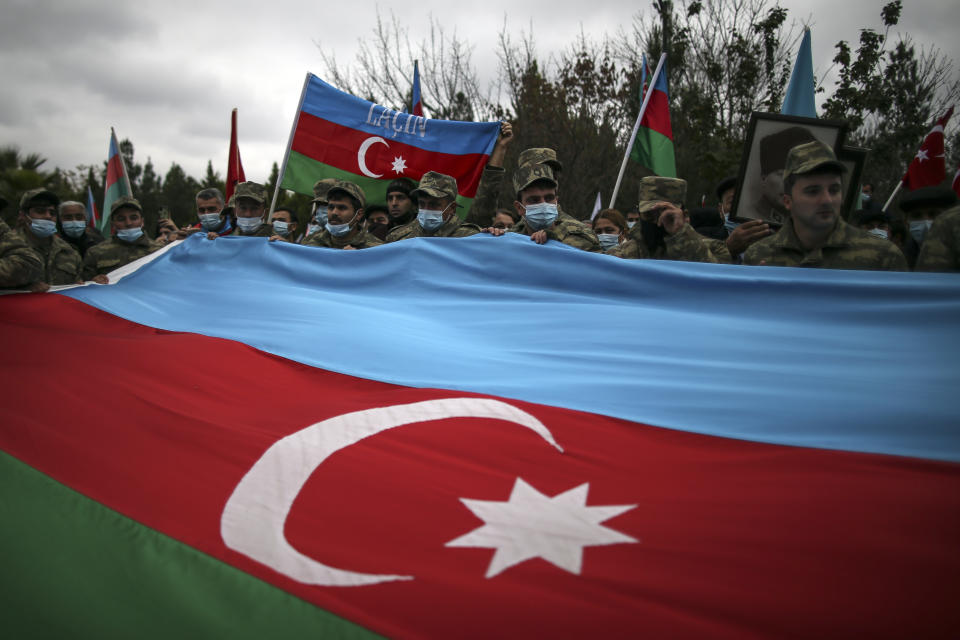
(731, 452)
(337, 135)
(653, 146)
(117, 182)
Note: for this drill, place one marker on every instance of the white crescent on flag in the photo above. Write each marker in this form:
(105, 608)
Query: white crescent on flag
(362, 155)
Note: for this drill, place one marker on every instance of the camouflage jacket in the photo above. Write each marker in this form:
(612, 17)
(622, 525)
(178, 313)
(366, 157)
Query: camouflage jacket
(114, 253)
(485, 202)
(360, 239)
(19, 264)
(90, 238)
(452, 228)
(941, 248)
(566, 230)
(61, 262)
(686, 245)
(846, 248)
(265, 231)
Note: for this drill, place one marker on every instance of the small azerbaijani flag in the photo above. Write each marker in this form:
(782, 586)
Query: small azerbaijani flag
(653, 147)
(93, 218)
(117, 183)
(337, 135)
(417, 109)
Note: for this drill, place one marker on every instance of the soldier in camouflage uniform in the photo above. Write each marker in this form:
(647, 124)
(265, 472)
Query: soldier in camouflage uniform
(74, 227)
(19, 264)
(664, 230)
(37, 228)
(941, 248)
(815, 235)
(548, 157)
(344, 227)
(436, 211)
(250, 200)
(401, 207)
(539, 212)
(128, 243)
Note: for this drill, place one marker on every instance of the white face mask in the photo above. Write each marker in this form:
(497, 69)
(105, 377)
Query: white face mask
(281, 227)
(608, 240)
(880, 233)
(919, 228)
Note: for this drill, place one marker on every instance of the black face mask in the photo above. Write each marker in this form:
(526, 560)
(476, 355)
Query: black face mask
(379, 230)
(653, 235)
(404, 219)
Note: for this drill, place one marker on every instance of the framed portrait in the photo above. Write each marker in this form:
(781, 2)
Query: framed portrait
(853, 158)
(769, 138)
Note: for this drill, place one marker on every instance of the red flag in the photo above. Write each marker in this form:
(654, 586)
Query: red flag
(234, 166)
(928, 167)
(956, 181)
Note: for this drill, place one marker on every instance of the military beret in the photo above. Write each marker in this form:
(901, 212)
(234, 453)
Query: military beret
(436, 185)
(928, 197)
(774, 148)
(41, 195)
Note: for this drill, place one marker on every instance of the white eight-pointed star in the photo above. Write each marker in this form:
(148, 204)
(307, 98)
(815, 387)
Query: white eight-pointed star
(531, 525)
(399, 164)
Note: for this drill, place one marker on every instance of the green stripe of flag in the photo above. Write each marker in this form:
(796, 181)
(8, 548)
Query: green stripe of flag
(302, 172)
(654, 151)
(116, 190)
(72, 568)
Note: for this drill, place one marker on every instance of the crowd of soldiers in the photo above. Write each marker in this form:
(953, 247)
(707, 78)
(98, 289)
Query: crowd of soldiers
(53, 244)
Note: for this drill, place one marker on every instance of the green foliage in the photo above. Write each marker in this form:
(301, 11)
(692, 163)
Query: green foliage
(178, 197)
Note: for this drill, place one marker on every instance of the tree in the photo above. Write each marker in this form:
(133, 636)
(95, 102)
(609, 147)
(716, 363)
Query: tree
(212, 178)
(150, 193)
(19, 173)
(134, 170)
(384, 71)
(890, 95)
(178, 198)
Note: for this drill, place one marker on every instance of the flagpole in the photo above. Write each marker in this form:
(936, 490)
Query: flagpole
(893, 195)
(636, 126)
(286, 155)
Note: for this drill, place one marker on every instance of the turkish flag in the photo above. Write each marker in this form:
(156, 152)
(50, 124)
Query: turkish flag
(235, 173)
(928, 167)
(436, 513)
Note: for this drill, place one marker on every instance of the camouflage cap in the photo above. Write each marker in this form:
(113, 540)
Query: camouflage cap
(350, 189)
(125, 201)
(540, 155)
(525, 175)
(252, 190)
(805, 158)
(320, 189)
(38, 194)
(436, 185)
(654, 189)
(774, 147)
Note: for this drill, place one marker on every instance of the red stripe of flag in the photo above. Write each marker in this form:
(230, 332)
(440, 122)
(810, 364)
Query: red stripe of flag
(338, 146)
(114, 170)
(657, 115)
(732, 538)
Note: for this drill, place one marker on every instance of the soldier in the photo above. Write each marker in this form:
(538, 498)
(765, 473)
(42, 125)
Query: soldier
(874, 221)
(38, 228)
(505, 219)
(538, 207)
(284, 223)
(941, 248)
(344, 228)
(664, 230)
(377, 221)
(632, 217)
(739, 235)
(75, 229)
(250, 200)
(19, 264)
(211, 213)
(400, 205)
(921, 207)
(436, 211)
(127, 244)
(484, 205)
(815, 235)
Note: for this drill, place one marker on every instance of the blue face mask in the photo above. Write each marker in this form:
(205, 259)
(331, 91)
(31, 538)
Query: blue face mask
(43, 228)
(880, 233)
(730, 225)
(313, 228)
(210, 221)
(919, 228)
(608, 240)
(630, 223)
(540, 216)
(338, 230)
(130, 235)
(430, 219)
(321, 215)
(74, 228)
(281, 228)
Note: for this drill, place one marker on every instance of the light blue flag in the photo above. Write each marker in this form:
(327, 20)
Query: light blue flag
(799, 99)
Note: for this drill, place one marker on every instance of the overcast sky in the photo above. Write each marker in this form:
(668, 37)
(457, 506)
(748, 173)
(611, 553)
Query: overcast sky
(167, 74)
